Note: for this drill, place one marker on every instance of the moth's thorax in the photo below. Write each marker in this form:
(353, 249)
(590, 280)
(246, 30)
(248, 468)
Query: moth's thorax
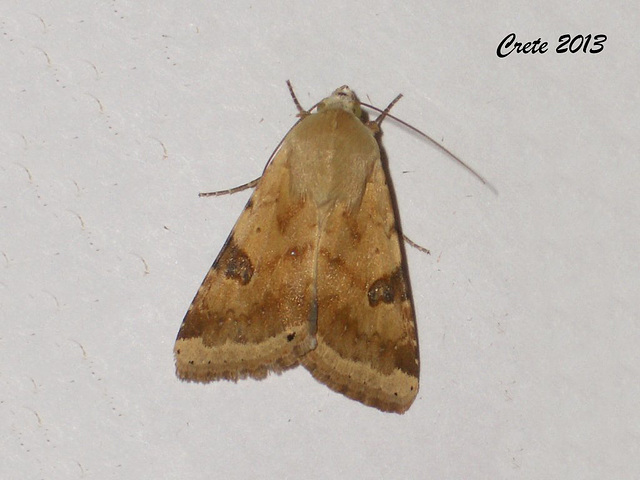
(331, 155)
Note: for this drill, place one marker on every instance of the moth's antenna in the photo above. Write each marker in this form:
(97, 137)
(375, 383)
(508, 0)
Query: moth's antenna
(385, 113)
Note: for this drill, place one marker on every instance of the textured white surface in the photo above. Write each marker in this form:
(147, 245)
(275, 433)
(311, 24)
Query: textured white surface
(116, 114)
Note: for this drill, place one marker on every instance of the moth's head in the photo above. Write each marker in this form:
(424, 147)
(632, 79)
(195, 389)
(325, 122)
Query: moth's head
(342, 98)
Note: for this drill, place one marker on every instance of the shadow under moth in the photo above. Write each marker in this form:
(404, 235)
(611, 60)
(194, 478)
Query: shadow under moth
(313, 271)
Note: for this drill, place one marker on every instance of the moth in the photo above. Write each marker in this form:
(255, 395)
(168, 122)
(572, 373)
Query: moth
(313, 271)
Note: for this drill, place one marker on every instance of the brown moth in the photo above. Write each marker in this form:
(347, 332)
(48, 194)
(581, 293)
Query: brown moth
(313, 271)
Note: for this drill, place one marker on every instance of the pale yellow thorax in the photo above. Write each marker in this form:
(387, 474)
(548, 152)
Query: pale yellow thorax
(334, 153)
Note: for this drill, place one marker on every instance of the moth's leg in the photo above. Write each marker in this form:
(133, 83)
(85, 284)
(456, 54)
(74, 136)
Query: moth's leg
(415, 245)
(230, 191)
(301, 111)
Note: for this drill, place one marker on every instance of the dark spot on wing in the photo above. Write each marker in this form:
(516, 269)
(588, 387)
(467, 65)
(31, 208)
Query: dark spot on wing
(388, 289)
(235, 263)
